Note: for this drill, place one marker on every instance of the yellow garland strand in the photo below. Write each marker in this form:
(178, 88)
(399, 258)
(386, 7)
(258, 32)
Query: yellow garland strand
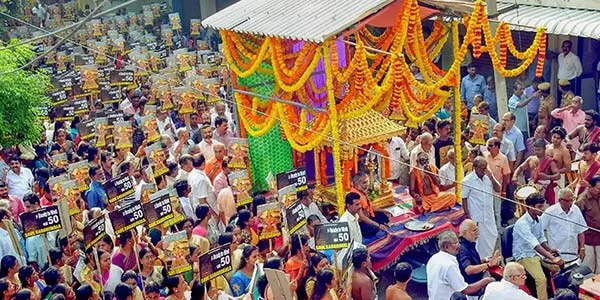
(302, 80)
(317, 137)
(333, 119)
(255, 64)
(457, 121)
(252, 128)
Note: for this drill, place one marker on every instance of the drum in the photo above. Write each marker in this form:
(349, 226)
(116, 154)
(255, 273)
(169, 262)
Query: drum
(521, 194)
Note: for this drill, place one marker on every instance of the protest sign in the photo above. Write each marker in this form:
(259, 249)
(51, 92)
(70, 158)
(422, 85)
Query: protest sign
(296, 176)
(79, 172)
(158, 210)
(332, 236)
(94, 231)
(72, 193)
(269, 220)
(127, 217)
(215, 263)
(177, 253)
(40, 221)
(241, 187)
(118, 188)
(294, 217)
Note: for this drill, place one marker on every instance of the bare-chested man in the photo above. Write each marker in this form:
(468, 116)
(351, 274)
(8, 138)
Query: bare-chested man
(587, 168)
(363, 279)
(543, 169)
(588, 132)
(397, 291)
(558, 151)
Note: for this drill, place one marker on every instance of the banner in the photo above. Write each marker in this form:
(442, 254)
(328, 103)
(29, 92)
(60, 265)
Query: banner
(332, 236)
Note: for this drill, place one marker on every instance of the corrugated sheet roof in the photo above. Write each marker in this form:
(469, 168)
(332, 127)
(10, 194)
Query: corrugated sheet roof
(310, 20)
(565, 21)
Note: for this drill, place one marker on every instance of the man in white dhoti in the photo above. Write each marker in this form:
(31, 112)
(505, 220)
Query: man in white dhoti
(478, 203)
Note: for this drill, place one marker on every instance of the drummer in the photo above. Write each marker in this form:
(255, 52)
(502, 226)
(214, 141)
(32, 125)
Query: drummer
(586, 169)
(559, 152)
(589, 132)
(544, 170)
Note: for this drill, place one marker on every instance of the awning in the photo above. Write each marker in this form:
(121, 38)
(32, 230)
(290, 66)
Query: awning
(561, 21)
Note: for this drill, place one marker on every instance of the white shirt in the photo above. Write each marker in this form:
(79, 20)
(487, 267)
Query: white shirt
(448, 171)
(481, 204)
(398, 152)
(207, 149)
(562, 235)
(186, 205)
(443, 276)
(201, 186)
(505, 290)
(415, 152)
(19, 185)
(185, 149)
(355, 233)
(313, 209)
(163, 124)
(569, 66)
(6, 246)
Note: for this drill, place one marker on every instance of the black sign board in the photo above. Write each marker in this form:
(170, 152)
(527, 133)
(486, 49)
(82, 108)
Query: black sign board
(104, 72)
(109, 96)
(114, 116)
(121, 77)
(294, 217)
(87, 129)
(81, 106)
(58, 97)
(127, 217)
(118, 188)
(40, 221)
(215, 263)
(158, 210)
(332, 236)
(64, 112)
(93, 232)
(296, 177)
(81, 60)
(65, 83)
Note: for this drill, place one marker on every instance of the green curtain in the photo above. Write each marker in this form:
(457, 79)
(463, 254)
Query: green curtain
(268, 152)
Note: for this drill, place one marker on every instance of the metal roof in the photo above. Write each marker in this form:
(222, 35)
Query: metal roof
(563, 21)
(310, 20)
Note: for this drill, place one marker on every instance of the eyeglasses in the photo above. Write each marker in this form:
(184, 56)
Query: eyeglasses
(491, 146)
(567, 199)
(522, 275)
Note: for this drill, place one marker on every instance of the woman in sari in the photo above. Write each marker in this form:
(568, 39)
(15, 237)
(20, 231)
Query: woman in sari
(240, 281)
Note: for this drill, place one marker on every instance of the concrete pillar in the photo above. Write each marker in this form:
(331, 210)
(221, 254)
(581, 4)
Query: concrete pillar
(501, 95)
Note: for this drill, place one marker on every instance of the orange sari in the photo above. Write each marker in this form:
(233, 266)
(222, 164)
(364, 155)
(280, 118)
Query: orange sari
(436, 200)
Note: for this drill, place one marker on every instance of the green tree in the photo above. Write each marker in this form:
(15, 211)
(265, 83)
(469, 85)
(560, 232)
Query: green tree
(22, 93)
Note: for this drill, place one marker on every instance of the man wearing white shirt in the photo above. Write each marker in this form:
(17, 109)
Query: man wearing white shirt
(6, 246)
(569, 65)
(183, 144)
(351, 216)
(186, 165)
(197, 179)
(447, 173)
(220, 110)
(398, 153)
(310, 208)
(19, 178)
(183, 191)
(565, 236)
(478, 203)
(165, 124)
(425, 145)
(509, 288)
(207, 143)
(443, 274)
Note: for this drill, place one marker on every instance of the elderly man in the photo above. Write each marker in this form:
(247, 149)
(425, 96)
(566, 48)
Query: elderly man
(507, 147)
(478, 203)
(214, 165)
(565, 236)
(207, 143)
(571, 115)
(589, 204)
(443, 273)
(498, 164)
(472, 265)
(183, 144)
(448, 172)
(426, 189)
(509, 288)
(514, 134)
(529, 243)
(425, 145)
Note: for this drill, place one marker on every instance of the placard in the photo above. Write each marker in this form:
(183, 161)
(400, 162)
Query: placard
(157, 158)
(177, 253)
(269, 221)
(158, 210)
(72, 193)
(81, 106)
(79, 172)
(45, 219)
(238, 152)
(479, 124)
(287, 195)
(122, 134)
(215, 263)
(178, 214)
(87, 129)
(94, 231)
(55, 184)
(103, 132)
(65, 83)
(64, 112)
(147, 190)
(332, 236)
(110, 96)
(60, 160)
(121, 77)
(150, 128)
(113, 117)
(118, 188)
(127, 217)
(296, 177)
(241, 187)
(294, 217)
(58, 97)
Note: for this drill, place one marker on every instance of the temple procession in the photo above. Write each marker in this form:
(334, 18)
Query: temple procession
(299, 150)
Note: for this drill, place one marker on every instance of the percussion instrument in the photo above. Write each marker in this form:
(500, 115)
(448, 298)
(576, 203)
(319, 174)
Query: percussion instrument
(521, 194)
